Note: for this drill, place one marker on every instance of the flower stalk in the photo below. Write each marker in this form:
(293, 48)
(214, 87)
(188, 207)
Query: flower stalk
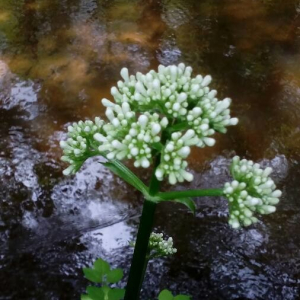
(141, 249)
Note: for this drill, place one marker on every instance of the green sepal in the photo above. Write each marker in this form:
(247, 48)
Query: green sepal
(219, 128)
(122, 171)
(114, 275)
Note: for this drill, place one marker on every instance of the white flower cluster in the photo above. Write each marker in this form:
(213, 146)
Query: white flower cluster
(209, 116)
(251, 191)
(173, 157)
(147, 108)
(128, 136)
(201, 127)
(161, 246)
(172, 91)
(77, 147)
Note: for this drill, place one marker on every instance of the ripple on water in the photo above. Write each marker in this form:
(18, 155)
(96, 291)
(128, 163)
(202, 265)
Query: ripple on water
(22, 95)
(65, 56)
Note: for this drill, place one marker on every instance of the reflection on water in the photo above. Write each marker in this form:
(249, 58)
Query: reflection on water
(59, 58)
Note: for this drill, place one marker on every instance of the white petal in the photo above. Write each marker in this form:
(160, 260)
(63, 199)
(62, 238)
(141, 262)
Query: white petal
(143, 120)
(155, 129)
(209, 141)
(206, 80)
(107, 103)
(125, 74)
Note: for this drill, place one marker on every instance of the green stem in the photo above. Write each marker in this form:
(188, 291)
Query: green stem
(154, 183)
(190, 193)
(139, 261)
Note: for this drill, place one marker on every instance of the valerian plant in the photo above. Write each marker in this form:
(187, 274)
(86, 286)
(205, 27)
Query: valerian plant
(159, 247)
(154, 121)
(101, 273)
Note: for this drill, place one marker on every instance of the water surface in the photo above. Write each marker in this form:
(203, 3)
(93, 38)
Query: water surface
(58, 59)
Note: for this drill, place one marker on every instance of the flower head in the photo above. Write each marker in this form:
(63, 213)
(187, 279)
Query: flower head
(160, 246)
(252, 191)
(76, 149)
(147, 109)
(173, 160)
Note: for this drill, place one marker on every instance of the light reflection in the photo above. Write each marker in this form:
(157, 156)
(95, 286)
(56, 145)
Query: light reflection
(112, 237)
(63, 57)
(4, 16)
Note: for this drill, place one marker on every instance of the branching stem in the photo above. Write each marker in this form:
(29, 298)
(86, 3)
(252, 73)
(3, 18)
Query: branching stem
(140, 260)
(190, 193)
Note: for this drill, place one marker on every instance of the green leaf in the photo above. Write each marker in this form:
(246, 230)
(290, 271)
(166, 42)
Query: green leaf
(105, 290)
(188, 202)
(102, 267)
(92, 275)
(114, 275)
(95, 293)
(165, 295)
(182, 297)
(85, 297)
(116, 294)
(119, 169)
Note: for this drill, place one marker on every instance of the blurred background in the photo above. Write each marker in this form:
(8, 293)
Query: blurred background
(59, 58)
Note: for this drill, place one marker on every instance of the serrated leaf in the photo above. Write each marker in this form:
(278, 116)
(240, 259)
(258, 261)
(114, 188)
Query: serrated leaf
(92, 275)
(122, 171)
(188, 202)
(95, 293)
(165, 295)
(85, 297)
(101, 267)
(182, 297)
(116, 294)
(114, 275)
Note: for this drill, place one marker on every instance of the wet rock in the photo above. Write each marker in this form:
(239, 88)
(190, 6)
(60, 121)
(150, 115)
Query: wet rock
(67, 55)
(5, 77)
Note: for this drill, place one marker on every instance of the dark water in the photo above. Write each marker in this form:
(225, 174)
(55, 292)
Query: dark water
(58, 58)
